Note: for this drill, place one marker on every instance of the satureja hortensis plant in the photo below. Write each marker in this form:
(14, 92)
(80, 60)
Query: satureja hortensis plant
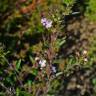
(40, 17)
(33, 33)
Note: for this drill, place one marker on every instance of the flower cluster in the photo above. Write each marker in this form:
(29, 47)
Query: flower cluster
(41, 62)
(46, 23)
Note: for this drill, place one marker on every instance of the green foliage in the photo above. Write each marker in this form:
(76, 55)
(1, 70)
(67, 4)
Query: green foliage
(68, 2)
(91, 10)
(3, 5)
(22, 93)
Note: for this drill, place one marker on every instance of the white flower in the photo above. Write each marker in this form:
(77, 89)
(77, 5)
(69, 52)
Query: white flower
(85, 59)
(37, 58)
(42, 63)
(49, 24)
(85, 52)
(46, 23)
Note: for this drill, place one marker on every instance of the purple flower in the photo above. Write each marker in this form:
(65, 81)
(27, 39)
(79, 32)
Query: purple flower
(54, 69)
(46, 23)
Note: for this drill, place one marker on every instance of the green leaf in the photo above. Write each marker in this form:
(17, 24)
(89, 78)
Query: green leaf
(59, 73)
(29, 83)
(17, 92)
(62, 42)
(18, 63)
(94, 81)
(31, 59)
(34, 71)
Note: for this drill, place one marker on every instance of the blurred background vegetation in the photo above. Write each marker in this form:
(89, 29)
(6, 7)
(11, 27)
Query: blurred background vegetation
(59, 60)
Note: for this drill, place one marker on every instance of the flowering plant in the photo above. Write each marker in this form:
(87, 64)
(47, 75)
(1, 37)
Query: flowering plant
(43, 45)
